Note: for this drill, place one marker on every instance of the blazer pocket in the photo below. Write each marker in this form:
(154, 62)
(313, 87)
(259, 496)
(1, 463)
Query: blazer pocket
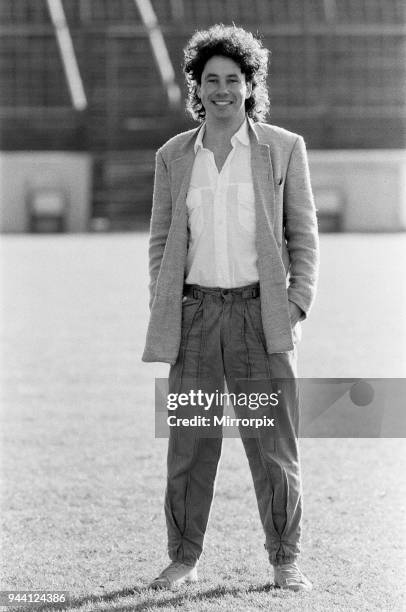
(278, 187)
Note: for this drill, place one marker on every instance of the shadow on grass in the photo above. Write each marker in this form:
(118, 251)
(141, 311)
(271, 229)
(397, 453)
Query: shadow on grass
(176, 598)
(179, 598)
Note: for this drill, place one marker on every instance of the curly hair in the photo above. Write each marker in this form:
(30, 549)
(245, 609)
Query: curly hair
(240, 46)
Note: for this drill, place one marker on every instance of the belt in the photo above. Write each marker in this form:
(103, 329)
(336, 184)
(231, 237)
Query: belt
(243, 293)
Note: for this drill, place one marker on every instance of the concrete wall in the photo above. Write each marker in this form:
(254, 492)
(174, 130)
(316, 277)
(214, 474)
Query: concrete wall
(361, 190)
(366, 188)
(23, 174)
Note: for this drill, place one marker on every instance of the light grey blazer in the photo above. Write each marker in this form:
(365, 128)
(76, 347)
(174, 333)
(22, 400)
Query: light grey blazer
(286, 236)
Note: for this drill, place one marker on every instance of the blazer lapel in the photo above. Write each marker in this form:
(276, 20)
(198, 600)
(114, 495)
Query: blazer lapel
(262, 176)
(181, 172)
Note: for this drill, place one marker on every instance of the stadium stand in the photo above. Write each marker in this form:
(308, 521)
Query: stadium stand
(337, 76)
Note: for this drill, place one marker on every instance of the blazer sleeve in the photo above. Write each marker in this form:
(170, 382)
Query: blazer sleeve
(160, 222)
(300, 229)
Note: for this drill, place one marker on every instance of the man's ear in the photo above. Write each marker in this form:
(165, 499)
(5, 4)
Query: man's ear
(249, 90)
(198, 91)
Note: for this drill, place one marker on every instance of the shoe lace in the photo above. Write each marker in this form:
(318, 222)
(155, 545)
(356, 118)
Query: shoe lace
(291, 572)
(172, 568)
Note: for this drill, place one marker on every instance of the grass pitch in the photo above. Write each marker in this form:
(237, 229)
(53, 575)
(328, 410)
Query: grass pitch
(83, 476)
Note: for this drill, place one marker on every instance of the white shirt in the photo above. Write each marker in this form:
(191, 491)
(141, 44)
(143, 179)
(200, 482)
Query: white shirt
(221, 217)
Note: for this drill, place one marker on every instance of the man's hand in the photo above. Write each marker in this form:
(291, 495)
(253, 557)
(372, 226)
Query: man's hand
(295, 313)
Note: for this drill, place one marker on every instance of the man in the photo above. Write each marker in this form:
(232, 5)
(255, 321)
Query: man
(233, 267)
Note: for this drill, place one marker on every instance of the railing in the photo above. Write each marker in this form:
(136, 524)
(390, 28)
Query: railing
(160, 52)
(68, 56)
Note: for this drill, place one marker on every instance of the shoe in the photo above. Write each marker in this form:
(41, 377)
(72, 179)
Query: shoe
(289, 576)
(176, 573)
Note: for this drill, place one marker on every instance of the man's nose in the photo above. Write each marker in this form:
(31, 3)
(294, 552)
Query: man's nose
(222, 88)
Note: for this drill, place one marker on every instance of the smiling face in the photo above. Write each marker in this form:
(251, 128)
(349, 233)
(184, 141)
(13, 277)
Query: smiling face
(223, 91)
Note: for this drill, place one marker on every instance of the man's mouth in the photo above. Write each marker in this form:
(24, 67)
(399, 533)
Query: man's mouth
(222, 102)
